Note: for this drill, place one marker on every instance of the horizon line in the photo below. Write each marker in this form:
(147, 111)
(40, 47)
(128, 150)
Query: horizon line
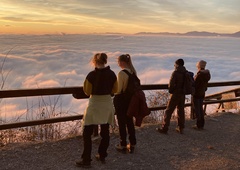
(99, 33)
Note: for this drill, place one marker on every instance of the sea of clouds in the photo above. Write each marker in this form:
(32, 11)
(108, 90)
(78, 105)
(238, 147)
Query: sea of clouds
(40, 61)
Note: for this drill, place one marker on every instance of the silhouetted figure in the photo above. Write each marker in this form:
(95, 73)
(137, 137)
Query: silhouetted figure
(177, 98)
(125, 122)
(201, 80)
(99, 85)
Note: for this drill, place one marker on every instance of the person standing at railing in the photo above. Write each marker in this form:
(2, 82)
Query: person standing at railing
(99, 84)
(177, 98)
(201, 80)
(121, 101)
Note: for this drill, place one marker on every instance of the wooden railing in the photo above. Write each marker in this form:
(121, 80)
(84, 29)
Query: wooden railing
(78, 93)
(234, 94)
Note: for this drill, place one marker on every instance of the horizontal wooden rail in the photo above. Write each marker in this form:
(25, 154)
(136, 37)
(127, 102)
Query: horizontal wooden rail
(219, 95)
(220, 101)
(42, 92)
(204, 102)
(78, 117)
(40, 122)
(226, 83)
(78, 93)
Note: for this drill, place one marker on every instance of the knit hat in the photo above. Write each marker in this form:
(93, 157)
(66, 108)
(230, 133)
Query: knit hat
(201, 64)
(179, 62)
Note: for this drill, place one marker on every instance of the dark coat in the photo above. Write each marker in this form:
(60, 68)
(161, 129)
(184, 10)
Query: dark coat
(176, 81)
(201, 80)
(138, 107)
(100, 81)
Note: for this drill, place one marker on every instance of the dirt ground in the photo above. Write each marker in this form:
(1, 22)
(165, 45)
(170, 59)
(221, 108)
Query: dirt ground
(215, 147)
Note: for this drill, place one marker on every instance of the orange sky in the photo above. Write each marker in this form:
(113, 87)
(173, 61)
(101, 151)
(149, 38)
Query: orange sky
(100, 16)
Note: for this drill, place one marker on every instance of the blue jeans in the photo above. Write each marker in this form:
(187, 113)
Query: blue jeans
(198, 108)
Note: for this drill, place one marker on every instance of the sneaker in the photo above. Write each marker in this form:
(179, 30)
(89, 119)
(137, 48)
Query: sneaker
(120, 148)
(99, 158)
(179, 130)
(160, 130)
(197, 128)
(83, 164)
(130, 148)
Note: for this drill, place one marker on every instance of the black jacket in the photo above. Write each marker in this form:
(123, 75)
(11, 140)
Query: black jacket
(201, 80)
(100, 81)
(176, 81)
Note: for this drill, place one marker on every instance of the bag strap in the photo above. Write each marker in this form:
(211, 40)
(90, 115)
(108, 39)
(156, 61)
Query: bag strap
(127, 72)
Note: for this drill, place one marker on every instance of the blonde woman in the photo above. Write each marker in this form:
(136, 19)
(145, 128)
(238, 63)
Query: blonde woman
(99, 85)
(125, 122)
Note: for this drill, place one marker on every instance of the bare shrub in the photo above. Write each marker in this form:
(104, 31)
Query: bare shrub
(42, 110)
(155, 99)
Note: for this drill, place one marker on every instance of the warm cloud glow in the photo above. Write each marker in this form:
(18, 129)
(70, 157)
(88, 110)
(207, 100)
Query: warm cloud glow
(37, 82)
(151, 76)
(73, 72)
(80, 16)
(42, 61)
(235, 75)
(11, 111)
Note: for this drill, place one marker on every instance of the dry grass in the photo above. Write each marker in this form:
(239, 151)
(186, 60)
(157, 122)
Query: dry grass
(52, 107)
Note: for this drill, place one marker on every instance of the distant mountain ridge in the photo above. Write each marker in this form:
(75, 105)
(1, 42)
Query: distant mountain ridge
(193, 33)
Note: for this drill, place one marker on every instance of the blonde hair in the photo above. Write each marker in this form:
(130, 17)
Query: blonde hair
(99, 59)
(201, 64)
(127, 59)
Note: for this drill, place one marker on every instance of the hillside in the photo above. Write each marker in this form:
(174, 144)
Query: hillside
(216, 147)
(193, 33)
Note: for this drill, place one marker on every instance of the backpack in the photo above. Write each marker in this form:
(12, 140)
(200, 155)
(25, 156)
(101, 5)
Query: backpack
(188, 83)
(133, 83)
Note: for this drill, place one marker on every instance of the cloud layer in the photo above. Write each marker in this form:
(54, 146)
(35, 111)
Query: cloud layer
(64, 60)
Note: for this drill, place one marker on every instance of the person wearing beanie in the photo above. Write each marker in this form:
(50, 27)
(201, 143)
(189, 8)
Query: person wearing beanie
(201, 80)
(177, 98)
(179, 62)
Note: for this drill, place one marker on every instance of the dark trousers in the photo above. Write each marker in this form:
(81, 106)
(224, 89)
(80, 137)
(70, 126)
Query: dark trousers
(126, 126)
(125, 123)
(176, 101)
(198, 108)
(87, 141)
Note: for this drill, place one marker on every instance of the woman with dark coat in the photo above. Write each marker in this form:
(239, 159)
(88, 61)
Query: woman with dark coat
(99, 84)
(201, 80)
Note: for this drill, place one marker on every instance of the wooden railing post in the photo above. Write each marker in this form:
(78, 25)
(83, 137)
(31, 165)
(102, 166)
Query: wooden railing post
(192, 111)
